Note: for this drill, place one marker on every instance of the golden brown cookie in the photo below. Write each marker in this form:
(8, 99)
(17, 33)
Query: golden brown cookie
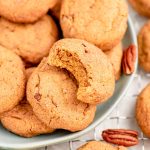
(101, 22)
(25, 11)
(30, 41)
(141, 6)
(89, 65)
(22, 121)
(55, 11)
(143, 110)
(29, 71)
(52, 95)
(95, 145)
(115, 56)
(144, 47)
(12, 79)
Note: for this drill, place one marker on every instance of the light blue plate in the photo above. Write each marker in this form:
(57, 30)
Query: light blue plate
(12, 141)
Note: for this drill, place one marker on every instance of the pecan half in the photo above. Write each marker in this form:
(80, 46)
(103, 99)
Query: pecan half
(128, 60)
(121, 137)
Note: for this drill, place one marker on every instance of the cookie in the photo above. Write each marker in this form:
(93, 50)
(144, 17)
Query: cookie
(29, 71)
(52, 95)
(12, 79)
(89, 65)
(141, 6)
(144, 47)
(30, 41)
(143, 110)
(101, 22)
(95, 145)
(22, 121)
(55, 11)
(115, 56)
(25, 11)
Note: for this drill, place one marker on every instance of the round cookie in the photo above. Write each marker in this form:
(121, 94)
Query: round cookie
(12, 79)
(143, 110)
(115, 56)
(141, 6)
(25, 11)
(144, 47)
(101, 22)
(89, 65)
(52, 95)
(22, 121)
(95, 145)
(29, 71)
(30, 41)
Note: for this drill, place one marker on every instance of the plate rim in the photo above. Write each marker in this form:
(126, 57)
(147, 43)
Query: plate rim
(93, 125)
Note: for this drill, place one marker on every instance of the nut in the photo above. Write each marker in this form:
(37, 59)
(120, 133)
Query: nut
(128, 60)
(121, 137)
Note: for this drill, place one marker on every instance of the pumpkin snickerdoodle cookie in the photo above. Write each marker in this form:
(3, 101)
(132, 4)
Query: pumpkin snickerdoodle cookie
(89, 65)
(29, 71)
(115, 56)
(141, 6)
(22, 121)
(95, 145)
(144, 47)
(143, 110)
(25, 11)
(101, 22)
(30, 41)
(12, 79)
(52, 94)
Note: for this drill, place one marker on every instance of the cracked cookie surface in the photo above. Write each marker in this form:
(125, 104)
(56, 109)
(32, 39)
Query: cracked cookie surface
(12, 79)
(144, 47)
(52, 95)
(143, 110)
(115, 56)
(25, 11)
(95, 145)
(22, 121)
(101, 22)
(141, 6)
(30, 41)
(89, 65)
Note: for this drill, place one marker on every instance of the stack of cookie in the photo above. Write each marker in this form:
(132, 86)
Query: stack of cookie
(46, 83)
(142, 111)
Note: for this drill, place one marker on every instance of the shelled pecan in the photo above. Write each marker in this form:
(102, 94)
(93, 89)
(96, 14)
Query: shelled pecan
(121, 137)
(129, 59)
